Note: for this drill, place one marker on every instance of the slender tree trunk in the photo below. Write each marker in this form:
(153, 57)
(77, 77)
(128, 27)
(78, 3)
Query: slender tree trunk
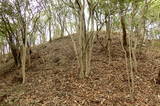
(131, 68)
(82, 44)
(74, 43)
(134, 46)
(62, 31)
(23, 62)
(40, 38)
(127, 66)
(145, 9)
(3, 50)
(50, 24)
(24, 51)
(158, 79)
(90, 46)
(1, 55)
(124, 31)
(108, 31)
(124, 38)
(28, 50)
(50, 33)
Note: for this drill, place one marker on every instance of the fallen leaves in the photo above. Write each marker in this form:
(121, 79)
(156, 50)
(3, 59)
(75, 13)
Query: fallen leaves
(55, 81)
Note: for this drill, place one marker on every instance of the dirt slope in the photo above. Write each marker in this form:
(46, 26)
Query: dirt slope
(52, 78)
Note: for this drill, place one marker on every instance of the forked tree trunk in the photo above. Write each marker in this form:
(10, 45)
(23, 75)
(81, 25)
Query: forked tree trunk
(85, 44)
(85, 40)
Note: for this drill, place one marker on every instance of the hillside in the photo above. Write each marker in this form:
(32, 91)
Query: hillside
(52, 78)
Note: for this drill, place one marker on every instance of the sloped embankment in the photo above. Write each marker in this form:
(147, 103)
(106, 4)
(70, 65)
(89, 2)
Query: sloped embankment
(52, 78)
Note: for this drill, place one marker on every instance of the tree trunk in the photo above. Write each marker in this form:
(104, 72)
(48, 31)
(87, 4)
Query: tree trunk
(24, 49)
(158, 79)
(50, 34)
(85, 40)
(23, 62)
(131, 67)
(145, 10)
(28, 50)
(108, 31)
(15, 52)
(3, 50)
(62, 32)
(124, 31)
(82, 45)
(24, 52)
(124, 38)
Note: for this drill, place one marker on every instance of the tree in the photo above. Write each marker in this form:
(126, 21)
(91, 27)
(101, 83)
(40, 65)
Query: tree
(123, 24)
(15, 20)
(85, 39)
(9, 30)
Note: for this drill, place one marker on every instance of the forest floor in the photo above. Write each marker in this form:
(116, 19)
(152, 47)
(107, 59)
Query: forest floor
(52, 78)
